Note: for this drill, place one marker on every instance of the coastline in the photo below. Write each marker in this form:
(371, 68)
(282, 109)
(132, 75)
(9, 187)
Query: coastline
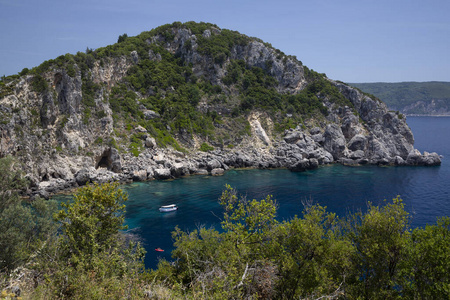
(167, 164)
(419, 115)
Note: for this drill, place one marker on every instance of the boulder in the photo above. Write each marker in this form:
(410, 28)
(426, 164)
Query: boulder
(159, 159)
(348, 162)
(358, 154)
(150, 173)
(414, 157)
(150, 114)
(350, 124)
(83, 176)
(179, 169)
(150, 142)
(201, 172)
(313, 163)
(140, 175)
(162, 173)
(213, 164)
(315, 130)
(141, 129)
(293, 137)
(301, 165)
(383, 162)
(430, 159)
(334, 141)
(217, 172)
(318, 138)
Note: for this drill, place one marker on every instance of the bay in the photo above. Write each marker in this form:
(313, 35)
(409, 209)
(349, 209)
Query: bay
(341, 189)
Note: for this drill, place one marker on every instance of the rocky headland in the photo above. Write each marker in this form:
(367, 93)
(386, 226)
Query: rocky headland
(86, 118)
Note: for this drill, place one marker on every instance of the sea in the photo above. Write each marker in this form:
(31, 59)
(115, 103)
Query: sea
(342, 189)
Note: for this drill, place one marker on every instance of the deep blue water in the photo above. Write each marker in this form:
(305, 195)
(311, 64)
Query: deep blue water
(425, 191)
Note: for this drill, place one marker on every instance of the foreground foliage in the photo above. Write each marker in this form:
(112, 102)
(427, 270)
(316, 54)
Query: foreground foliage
(371, 255)
(84, 252)
(88, 257)
(25, 228)
(95, 260)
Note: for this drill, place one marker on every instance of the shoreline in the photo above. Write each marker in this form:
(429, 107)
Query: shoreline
(418, 115)
(211, 164)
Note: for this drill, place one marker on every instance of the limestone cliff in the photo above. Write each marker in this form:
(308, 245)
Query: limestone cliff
(143, 108)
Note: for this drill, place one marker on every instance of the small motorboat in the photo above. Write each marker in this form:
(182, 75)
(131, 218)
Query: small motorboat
(159, 250)
(168, 208)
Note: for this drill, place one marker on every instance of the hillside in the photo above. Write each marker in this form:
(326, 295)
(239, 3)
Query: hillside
(187, 99)
(424, 98)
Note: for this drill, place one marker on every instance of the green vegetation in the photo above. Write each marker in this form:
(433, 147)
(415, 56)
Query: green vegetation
(136, 144)
(402, 94)
(39, 84)
(205, 147)
(84, 252)
(88, 257)
(164, 82)
(24, 228)
(371, 255)
(5, 89)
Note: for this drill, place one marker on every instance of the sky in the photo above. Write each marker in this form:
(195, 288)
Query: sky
(351, 41)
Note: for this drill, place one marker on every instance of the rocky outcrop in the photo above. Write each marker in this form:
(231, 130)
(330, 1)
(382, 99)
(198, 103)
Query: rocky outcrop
(66, 139)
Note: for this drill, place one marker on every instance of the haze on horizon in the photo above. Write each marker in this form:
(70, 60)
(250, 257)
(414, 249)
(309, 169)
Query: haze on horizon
(352, 41)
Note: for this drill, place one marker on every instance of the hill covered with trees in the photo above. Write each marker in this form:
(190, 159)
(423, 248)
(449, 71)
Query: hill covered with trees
(185, 99)
(422, 98)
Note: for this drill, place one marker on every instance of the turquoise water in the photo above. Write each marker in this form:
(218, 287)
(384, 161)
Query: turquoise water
(341, 189)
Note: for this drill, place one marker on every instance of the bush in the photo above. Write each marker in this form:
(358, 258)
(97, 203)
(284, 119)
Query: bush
(365, 256)
(93, 259)
(39, 84)
(205, 147)
(24, 228)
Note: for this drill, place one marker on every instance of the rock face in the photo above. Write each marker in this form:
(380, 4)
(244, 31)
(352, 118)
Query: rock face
(53, 132)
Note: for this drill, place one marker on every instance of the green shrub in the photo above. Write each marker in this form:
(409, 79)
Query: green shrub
(39, 84)
(205, 147)
(86, 115)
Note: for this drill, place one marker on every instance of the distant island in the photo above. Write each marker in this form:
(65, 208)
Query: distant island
(412, 98)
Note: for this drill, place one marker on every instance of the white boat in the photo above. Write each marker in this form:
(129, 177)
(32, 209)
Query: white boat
(167, 208)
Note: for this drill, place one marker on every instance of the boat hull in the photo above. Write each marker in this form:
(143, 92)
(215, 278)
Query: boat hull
(167, 209)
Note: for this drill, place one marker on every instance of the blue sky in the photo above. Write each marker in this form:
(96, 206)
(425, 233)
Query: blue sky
(352, 41)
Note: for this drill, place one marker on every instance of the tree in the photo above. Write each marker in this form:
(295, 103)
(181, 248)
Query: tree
(230, 264)
(24, 227)
(11, 182)
(381, 240)
(91, 223)
(369, 255)
(96, 260)
(427, 276)
(122, 38)
(316, 258)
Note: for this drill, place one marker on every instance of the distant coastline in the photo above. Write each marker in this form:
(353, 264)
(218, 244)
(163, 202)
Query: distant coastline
(412, 98)
(424, 115)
